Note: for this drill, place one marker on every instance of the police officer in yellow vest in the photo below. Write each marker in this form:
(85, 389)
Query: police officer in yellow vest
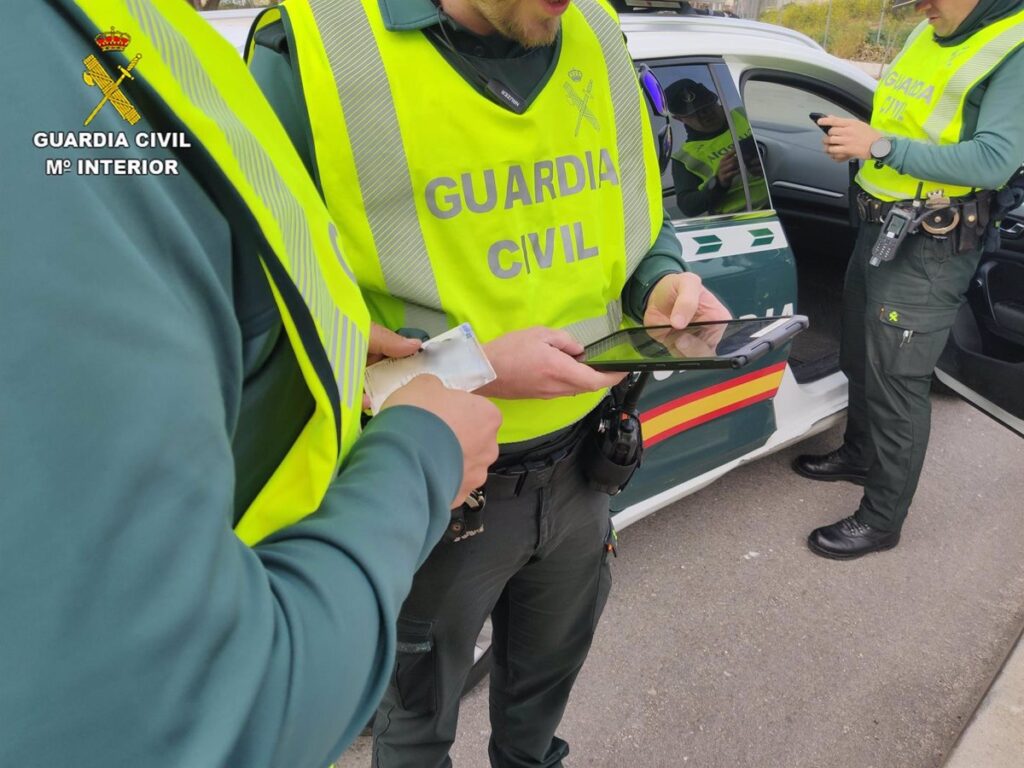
(203, 559)
(706, 167)
(945, 132)
(492, 162)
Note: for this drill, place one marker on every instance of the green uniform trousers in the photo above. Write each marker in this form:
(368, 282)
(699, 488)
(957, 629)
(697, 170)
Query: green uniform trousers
(896, 319)
(539, 569)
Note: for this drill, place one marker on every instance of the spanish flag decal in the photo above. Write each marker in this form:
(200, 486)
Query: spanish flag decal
(698, 407)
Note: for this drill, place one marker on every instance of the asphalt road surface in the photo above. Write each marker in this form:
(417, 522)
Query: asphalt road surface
(726, 644)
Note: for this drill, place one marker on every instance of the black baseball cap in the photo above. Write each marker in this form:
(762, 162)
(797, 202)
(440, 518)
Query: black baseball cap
(685, 97)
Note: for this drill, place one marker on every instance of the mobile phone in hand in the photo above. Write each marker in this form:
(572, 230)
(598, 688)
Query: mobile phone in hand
(748, 151)
(816, 116)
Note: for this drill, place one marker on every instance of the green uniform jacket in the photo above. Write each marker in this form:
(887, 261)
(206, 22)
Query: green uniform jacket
(145, 396)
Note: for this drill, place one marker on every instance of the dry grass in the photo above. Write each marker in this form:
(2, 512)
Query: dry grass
(853, 27)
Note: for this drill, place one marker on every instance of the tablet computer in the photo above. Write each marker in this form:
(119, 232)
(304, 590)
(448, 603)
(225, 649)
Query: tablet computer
(723, 344)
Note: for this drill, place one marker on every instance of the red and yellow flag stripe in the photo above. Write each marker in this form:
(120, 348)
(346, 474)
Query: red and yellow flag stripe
(698, 407)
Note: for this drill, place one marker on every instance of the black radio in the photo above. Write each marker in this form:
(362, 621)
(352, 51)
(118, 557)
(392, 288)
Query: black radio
(614, 449)
(898, 223)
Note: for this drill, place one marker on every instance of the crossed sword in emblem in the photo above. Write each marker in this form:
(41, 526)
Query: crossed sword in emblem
(96, 75)
(581, 104)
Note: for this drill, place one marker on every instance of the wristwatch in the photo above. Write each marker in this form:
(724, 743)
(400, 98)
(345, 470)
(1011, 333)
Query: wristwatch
(880, 149)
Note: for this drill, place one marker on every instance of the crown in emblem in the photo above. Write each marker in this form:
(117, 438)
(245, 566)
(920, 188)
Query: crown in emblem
(113, 40)
(575, 75)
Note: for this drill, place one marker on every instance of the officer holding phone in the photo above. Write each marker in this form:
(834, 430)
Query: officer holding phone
(706, 165)
(945, 132)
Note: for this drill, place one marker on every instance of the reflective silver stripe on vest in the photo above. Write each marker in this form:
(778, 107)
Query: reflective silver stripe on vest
(342, 340)
(629, 133)
(694, 164)
(592, 329)
(377, 149)
(974, 69)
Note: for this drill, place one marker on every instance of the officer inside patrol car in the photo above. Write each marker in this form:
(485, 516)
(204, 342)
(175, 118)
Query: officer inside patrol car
(188, 580)
(945, 132)
(491, 161)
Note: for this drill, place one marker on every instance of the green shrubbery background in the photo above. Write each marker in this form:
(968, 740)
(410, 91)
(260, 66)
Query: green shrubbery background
(853, 29)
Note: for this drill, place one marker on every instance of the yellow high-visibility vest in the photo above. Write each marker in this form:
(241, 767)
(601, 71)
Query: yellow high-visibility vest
(206, 87)
(702, 157)
(922, 93)
(455, 209)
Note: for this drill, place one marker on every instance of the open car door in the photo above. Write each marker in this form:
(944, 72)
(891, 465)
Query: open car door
(984, 358)
(696, 421)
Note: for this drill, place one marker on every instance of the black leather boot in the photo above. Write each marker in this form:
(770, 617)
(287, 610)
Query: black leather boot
(830, 466)
(850, 538)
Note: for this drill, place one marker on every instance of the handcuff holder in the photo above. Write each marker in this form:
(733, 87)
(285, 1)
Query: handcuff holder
(467, 519)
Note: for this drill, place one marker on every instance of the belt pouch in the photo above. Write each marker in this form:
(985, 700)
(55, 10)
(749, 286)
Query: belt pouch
(969, 230)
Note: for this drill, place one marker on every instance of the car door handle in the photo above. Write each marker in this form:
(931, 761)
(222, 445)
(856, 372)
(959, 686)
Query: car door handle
(1012, 230)
(809, 190)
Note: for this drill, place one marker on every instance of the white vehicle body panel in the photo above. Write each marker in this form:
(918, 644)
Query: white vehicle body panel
(744, 45)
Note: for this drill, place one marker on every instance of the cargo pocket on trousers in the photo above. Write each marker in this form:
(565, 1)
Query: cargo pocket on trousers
(416, 667)
(913, 337)
(934, 254)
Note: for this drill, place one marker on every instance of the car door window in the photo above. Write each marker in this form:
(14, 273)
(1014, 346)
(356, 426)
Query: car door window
(795, 162)
(715, 168)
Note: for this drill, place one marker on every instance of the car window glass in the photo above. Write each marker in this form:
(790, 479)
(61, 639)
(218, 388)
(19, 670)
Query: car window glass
(715, 168)
(794, 159)
(784, 105)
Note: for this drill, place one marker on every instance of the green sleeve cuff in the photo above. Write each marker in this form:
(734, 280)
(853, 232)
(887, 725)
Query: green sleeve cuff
(664, 258)
(437, 453)
(897, 155)
(654, 267)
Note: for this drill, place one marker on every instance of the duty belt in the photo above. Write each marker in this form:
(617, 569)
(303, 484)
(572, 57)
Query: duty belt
(964, 218)
(873, 211)
(518, 474)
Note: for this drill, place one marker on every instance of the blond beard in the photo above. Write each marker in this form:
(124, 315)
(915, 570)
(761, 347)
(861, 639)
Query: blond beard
(505, 21)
